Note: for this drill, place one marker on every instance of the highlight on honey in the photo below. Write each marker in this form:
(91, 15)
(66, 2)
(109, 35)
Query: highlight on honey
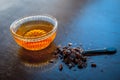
(34, 33)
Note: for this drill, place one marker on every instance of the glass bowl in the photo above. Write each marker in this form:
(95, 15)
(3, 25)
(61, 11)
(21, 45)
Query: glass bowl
(31, 37)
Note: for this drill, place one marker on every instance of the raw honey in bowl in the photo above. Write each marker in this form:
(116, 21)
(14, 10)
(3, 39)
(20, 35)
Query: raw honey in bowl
(34, 34)
(34, 29)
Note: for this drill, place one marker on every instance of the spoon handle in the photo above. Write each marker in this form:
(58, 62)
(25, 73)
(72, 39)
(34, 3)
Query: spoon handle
(107, 51)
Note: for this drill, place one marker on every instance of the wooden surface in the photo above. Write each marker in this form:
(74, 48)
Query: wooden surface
(94, 23)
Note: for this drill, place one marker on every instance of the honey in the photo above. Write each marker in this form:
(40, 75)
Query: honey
(33, 30)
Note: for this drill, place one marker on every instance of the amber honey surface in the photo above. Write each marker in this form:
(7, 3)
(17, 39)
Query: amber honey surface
(33, 29)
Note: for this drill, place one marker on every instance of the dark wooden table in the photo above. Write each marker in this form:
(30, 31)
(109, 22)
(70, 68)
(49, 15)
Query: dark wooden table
(94, 23)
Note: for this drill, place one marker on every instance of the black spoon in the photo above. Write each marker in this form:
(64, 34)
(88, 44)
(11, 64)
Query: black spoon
(107, 51)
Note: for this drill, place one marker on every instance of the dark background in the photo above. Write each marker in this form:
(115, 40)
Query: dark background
(94, 23)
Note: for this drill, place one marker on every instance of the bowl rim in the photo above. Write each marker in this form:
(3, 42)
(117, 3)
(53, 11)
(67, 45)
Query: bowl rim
(30, 17)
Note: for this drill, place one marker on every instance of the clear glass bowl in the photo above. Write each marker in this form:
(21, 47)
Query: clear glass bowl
(38, 42)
